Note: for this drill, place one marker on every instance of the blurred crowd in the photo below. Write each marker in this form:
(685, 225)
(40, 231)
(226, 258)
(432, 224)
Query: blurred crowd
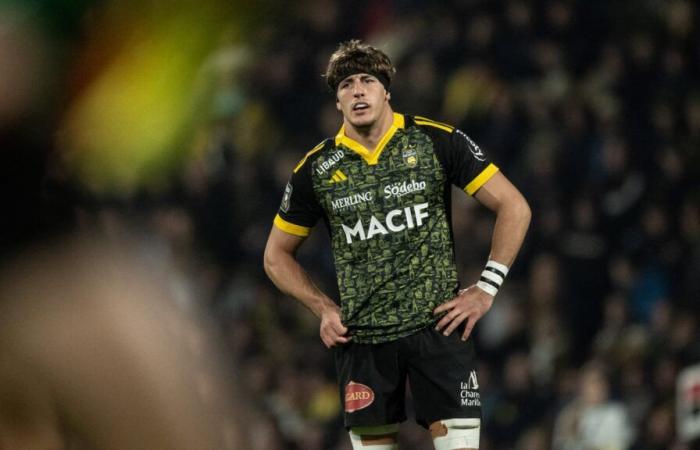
(592, 108)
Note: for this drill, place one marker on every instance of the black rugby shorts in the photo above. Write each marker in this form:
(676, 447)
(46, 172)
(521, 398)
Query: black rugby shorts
(441, 373)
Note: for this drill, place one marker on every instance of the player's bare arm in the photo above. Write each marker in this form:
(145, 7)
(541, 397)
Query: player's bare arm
(289, 277)
(512, 221)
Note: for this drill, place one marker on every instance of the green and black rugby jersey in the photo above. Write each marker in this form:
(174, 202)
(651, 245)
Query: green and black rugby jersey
(388, 214)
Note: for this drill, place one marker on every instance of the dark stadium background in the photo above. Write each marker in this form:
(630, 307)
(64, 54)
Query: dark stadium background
(177, 124)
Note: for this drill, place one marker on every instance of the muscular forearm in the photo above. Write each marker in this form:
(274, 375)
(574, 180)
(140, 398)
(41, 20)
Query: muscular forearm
(284, 270)
(289, 277)
(512, 222)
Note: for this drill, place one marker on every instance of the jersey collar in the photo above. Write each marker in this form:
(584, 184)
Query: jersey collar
(371, 157)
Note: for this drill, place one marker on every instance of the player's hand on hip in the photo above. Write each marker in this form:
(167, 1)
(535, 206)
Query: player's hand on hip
(470, 304)
(333, 332)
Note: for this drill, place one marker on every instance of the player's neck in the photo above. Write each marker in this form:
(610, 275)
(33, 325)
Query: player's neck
(370, 135)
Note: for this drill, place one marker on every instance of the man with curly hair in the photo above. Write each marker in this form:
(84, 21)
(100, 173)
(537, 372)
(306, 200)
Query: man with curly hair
(382, 186)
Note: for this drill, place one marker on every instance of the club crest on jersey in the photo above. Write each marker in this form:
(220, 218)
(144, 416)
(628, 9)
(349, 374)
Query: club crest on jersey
(410, 157)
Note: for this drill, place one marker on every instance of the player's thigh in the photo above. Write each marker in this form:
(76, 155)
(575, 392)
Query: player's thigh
(372, 384)
(443, 378)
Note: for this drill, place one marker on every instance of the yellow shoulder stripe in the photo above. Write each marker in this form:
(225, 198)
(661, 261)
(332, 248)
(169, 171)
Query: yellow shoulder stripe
(436, 125)
(480, 179)
(291, 228)
(311, 152)
(425, 121)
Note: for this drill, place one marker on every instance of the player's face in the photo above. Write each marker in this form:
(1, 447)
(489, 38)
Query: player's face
(362, 99)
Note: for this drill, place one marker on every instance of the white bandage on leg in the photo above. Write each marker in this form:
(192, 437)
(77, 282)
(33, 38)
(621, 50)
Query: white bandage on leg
(452, 434)
(384, 437)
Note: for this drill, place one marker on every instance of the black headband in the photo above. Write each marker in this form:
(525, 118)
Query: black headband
(378, 75)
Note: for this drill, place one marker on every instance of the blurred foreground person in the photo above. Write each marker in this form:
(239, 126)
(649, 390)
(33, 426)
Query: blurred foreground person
(95, 354)
(383, 188)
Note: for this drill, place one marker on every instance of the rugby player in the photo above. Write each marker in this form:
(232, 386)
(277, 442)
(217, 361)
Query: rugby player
(382, 186)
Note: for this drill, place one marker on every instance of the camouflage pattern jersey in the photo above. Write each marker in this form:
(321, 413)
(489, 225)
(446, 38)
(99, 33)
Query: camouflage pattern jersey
(388, 214)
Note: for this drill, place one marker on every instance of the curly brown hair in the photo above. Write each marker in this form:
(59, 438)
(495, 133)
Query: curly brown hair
(353, 57)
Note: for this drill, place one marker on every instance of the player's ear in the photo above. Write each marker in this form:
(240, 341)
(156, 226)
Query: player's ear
(388, 95)
(337, 104)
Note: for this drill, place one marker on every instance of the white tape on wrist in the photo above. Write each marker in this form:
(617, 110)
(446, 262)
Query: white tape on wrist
(492, 277)
(492, 291)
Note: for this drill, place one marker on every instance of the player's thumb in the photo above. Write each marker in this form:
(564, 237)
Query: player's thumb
(339, 327)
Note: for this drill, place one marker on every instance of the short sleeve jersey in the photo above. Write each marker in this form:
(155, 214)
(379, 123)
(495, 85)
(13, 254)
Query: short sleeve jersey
(388, 214)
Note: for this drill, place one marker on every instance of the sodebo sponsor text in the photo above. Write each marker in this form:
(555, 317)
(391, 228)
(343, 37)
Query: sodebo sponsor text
(402, 188)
